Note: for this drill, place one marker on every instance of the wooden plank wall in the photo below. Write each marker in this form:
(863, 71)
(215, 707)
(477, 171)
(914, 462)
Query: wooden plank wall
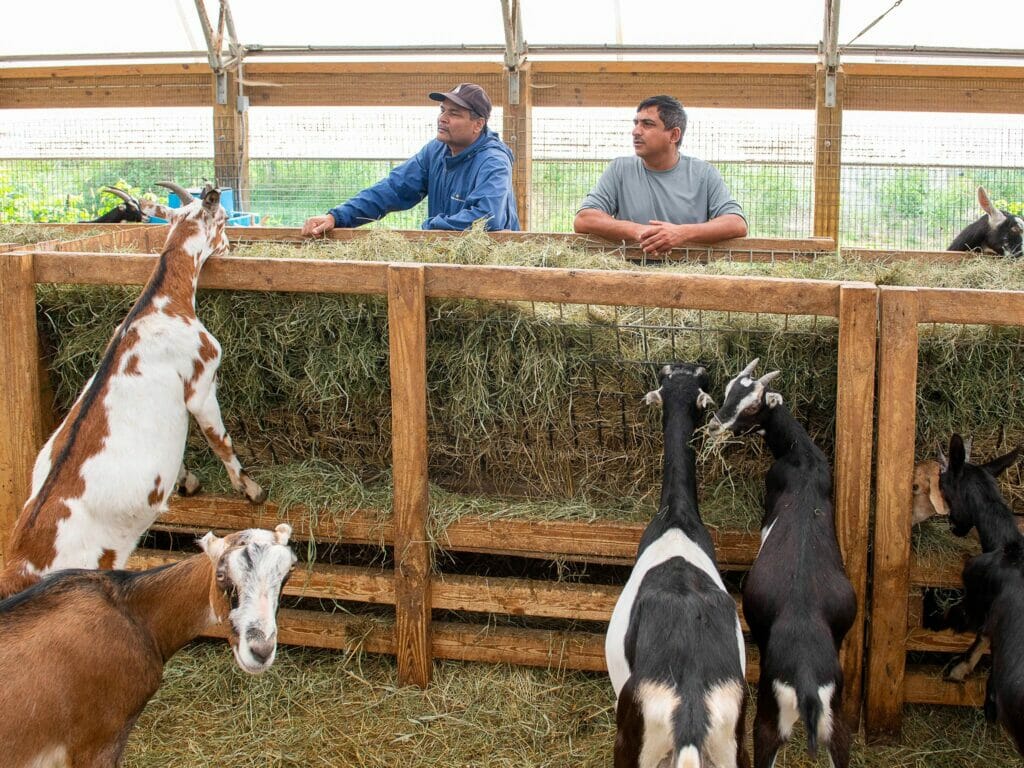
(744, 85)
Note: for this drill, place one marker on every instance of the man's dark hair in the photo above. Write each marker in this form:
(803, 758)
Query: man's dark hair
(670, 111)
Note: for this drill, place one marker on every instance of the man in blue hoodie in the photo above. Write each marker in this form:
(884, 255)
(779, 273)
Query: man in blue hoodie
(465, 174)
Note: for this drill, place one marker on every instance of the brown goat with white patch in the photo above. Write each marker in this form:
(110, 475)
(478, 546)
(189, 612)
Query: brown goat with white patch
(106, 472)
(83, 651)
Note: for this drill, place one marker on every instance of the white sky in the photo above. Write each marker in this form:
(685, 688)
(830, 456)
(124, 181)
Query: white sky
(74, 26)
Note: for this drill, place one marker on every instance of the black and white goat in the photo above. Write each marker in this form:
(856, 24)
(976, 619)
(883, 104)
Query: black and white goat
(797, 599)
(974, 501)
(998, 231)
(129, 211)
(674, 646)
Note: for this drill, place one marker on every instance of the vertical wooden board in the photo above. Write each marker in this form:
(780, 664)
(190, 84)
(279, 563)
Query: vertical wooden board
(407, 336)
(20, 426)
(231, 143)
(828, 134)
(897, 402)
(517, 131)
(855, 399)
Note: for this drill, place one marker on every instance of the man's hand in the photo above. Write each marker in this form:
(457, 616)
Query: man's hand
(662, 237)
(318, 225)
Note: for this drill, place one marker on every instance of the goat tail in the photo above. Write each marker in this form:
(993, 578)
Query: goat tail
(810, 712)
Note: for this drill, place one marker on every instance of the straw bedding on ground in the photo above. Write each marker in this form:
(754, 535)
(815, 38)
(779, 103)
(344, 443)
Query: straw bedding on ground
(317, 708)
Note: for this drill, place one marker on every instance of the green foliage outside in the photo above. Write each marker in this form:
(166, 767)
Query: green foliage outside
(881, 206)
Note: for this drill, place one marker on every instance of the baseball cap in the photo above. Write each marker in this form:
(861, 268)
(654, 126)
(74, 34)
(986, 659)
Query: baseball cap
(468, 95)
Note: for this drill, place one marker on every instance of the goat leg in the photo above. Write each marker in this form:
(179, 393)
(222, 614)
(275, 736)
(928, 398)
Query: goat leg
(207, 415)
(991, 714)
(964, 664)
(187, 483)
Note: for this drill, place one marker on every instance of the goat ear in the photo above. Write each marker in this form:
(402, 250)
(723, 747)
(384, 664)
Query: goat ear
(212, 545)
(996, 467)
(957, 453)
(995, 216)
(704, 400)
(283, 532)
(653, 397)
(773, 399)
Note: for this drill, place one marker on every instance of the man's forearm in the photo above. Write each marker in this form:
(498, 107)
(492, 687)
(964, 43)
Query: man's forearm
(591, 221)
(724, 227)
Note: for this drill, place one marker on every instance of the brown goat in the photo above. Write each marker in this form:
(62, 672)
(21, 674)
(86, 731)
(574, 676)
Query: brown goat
(83, 651)
(928, 501)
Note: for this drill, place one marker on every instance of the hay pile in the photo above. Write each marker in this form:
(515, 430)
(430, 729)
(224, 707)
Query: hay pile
(317, 708)
(534, 408)
(26, 234)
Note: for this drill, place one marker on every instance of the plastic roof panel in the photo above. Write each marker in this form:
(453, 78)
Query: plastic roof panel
(672, 22)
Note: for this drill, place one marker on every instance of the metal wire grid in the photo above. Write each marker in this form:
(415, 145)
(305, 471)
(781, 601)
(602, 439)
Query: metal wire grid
(909, 179)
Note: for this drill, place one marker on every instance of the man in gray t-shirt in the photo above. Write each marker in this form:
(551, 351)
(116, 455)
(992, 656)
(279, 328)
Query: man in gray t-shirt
(660, 198)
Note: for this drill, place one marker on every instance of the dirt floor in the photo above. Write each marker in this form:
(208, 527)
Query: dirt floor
(324, 708)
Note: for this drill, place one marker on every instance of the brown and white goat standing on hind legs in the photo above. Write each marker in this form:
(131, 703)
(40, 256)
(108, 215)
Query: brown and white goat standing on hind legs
(82, 651)
(106, 472)
(797, 600)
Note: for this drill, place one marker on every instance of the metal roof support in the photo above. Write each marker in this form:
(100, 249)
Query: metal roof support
(215, 46)
(515, 46)
(830, 50)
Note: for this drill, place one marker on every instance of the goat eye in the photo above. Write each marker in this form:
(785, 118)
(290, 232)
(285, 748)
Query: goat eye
(752, 409)
(916, 488)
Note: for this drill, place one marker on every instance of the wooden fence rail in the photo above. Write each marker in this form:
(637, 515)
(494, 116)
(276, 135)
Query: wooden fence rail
(413, 589)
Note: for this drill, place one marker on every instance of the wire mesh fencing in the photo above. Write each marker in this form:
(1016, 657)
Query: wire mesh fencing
(908, 179)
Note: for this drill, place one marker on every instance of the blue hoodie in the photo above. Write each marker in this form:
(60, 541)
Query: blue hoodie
(474, 184)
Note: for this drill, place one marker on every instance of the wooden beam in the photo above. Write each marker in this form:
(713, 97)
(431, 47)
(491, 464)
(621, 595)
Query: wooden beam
(855, 399)
(20, 427)
(610, 287)
(626, 84)
(611, 542)
(897, 404)
(517, 132)
(231, 142)
(967, 305)
(828, 137)
(407, 341)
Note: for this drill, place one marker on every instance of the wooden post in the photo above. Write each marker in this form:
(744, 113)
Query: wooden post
(231, 143)
(407, 337)
(517, 131)
(19, 396)
(855, 400)
(828, 134)
(897, 403)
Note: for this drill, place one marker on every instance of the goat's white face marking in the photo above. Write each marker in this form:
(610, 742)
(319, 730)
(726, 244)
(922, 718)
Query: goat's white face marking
(251, 568)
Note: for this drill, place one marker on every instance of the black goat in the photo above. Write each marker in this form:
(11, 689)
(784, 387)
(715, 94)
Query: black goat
(994, 607)
(674, 646)
(797, 599)
(129, 211)
(974, 501)
(973, 497)
(998, 231)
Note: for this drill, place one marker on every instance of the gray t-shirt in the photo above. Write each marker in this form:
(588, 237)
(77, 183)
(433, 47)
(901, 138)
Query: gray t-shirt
(690, 193)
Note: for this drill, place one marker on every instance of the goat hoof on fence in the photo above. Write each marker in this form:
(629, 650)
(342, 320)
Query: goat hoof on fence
(189, 485)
